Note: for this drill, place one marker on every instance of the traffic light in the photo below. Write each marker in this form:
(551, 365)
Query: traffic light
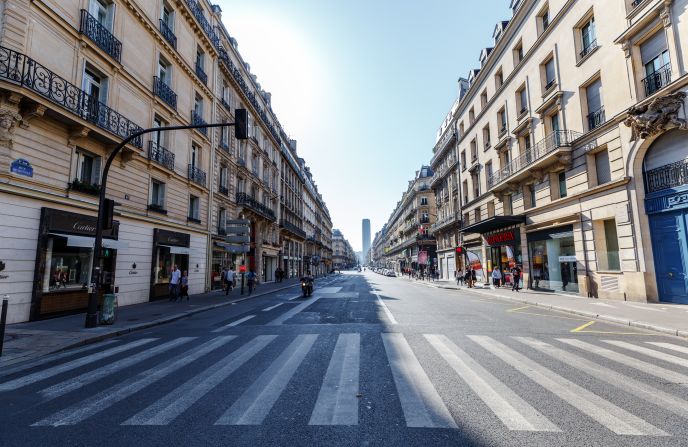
(108, 213)
(241, 124)
(459, 250)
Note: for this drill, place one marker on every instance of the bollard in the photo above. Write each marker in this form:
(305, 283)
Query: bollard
(3, 320)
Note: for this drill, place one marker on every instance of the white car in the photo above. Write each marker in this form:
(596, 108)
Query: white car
(390, 273)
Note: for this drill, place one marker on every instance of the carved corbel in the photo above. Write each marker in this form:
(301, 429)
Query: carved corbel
(76, 133)
(31, 111)
(665, 13)
(9, 119)
(538, 175)
(565, 160)
(626, 47)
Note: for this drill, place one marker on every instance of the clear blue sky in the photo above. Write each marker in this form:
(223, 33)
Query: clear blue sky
(362, 86)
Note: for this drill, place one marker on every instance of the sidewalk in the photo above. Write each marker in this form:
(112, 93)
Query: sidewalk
(661, 317)
(26, 341)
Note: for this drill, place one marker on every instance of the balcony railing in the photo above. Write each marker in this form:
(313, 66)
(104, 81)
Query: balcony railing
(596, 119)
(588, 49)
(667, 176)
(223, 190)
(164, 92)
(201, 74)
(293, 228)
(197, 12)
(22, 70)
(197, 120)
(100, 35)
(196, 175)
(247, 201)
(160, 155)
(156, 207)
(550, 143)
(92, 189)
(167, 33)
(657, 80)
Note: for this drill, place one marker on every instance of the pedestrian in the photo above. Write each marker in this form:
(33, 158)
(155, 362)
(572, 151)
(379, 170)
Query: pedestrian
(251, 279)
(229, 279)
(184, 286)
(516, 277)
(175, 276)
(497, 277)
(474, 278)
(467, 277)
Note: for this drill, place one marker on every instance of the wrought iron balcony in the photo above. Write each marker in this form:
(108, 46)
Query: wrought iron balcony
(249, 202)
(167, 33)
(292, 228)
(158, 208)
(89, 188)
(657, 80)
(197, 120)
(445, 221)
(201, 74)
(667, 176)
(196, 175)
(164, 92)
(223, 190)
(160, 155)
(596, 119)
(540, 156)
(197, 12)
(100, 35)
(588, 49)
(21, 70)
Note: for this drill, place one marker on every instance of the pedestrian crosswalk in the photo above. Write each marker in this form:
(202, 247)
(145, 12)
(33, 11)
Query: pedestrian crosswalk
(421, 374)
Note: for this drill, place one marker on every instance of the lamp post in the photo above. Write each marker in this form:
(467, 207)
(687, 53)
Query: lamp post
(241, 133)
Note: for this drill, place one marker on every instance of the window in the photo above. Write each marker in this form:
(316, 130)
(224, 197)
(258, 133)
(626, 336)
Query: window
(102, 11)
(195, 154)
(490, 209)
(95, 85)
(200, 59)
(194, 205)
(223, 176)
(588, 37)
(463, 159)
(607, 245)
(167, 16)
(522, 100)
(602, 167)
(488, 170)
(548, 71)
(198, 105)
(474, 150)
(476, 184)
(518, 53)
(241, 185)
(483, 99)
(655, 59)
(157, 198)
(423, 201)
(486, 136)
(530, 194)
(222, 220)
(471, 116)
(508, 204)
(593, 94)
(476, 214)
(159, 137)
(561, 178)
(466, 218)
(501, 121)
(465, 191)
(164, 71)
(226, 94)
(499, 79)
(544, 20)
(87, 167)
(224, 137)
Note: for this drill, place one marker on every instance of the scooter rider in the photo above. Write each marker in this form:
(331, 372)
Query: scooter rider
(308, 280)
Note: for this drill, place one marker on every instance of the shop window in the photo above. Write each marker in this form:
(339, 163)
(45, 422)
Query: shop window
(87, 168)
(157, 199)
(194, 208)
(607, 245)
(553, 260)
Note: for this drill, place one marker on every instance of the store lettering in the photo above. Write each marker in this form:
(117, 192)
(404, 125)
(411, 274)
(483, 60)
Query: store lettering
(501, 237)
(84, 227)
(677, 200)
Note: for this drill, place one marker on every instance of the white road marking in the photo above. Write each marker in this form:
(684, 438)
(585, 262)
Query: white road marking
(602, 411)
(628, 384)
(165, 410)
(683, 349)
(294, 297)
(257, 401)
(327, 290)
(106, 398)
(649, 352)
(267, 309)
(651, 309)
(59, 369)
(233, 323)
(645, 367)
(603, 305)
(514, 412)
(291, 312)
(84, 379)
(422, 405)
(386, 309)
(337, 403)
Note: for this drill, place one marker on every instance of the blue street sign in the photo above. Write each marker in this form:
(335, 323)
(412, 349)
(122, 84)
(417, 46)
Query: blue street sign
(21, 166)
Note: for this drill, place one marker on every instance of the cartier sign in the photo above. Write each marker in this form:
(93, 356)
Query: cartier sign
(59, 221)
(166, 237)
(501, 238)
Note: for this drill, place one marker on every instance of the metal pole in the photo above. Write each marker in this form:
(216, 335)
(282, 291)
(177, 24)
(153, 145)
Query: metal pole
(3, 320)
(96, 274)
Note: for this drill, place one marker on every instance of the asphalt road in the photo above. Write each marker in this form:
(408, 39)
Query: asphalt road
(368, 360)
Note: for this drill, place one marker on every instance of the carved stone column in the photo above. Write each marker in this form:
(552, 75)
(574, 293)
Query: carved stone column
(9, 120)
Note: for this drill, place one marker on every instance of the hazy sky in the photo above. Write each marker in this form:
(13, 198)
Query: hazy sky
(362, 86)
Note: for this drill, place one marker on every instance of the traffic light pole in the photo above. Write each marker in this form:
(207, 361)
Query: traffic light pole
(96, 274)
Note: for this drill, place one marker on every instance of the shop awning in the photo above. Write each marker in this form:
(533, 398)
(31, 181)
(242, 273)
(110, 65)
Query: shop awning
(177, 250)
(89, 242)
(494, 223)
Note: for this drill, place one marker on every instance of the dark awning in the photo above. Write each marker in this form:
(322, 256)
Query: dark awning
(494, 223)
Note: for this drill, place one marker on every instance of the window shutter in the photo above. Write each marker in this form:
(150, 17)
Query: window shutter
(653, 47)
(96, 170)
(549, 70)
(593, 93)
(161, 188)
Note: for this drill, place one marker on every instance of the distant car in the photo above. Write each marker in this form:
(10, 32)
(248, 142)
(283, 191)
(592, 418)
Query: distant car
(391, 273)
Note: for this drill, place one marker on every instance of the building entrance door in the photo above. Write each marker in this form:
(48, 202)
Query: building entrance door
(670, 246)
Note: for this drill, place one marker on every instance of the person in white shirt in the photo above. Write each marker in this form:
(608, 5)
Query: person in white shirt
(175, 276)
(229, 278)
(496, 277)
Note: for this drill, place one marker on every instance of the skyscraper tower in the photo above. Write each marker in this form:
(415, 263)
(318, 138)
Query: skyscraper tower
(366, 238)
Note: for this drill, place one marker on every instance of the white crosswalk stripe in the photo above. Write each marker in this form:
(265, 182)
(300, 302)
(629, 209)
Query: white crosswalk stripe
(165, 410)
(233, 323)
(84, 379)
(258, 399)
(337, 403)
(511, 409)
(93, 405)
(649, 352)
(628, 384)
(604, 412)
(648, 368)
(59, 369)
(420, 402)
(677, 348)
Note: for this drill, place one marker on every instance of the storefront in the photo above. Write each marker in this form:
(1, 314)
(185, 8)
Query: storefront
(503, 252)
(64, 260)
(553, 262)
(222, 258)
(169, 249)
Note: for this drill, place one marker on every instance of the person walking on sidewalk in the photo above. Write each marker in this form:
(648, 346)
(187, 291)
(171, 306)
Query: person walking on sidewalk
(251, 279)
(496, 277)
(175, 276)
(184, 287)
(516, 275)
(229, 279)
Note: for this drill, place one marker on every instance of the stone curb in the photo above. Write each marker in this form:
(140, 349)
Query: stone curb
(158, 322)
(582, 313)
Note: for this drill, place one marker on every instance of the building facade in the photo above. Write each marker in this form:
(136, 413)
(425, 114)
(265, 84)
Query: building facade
(406, 241)
(79, 76)
(365, 239)
(343, 256)
(571, 142)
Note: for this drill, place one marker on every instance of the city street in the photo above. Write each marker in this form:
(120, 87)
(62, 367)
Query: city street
(367, 360)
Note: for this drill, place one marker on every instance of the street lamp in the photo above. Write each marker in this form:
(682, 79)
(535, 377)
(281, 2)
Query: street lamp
(241, 132)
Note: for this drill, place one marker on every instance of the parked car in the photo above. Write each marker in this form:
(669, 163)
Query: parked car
(391, 273)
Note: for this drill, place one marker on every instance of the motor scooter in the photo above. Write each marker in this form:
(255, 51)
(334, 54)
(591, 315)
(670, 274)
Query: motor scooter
(306, 287)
